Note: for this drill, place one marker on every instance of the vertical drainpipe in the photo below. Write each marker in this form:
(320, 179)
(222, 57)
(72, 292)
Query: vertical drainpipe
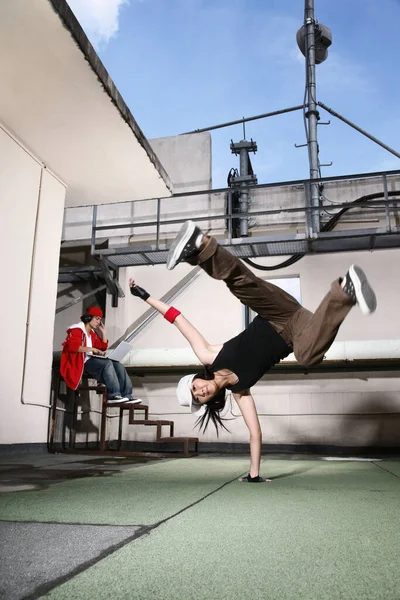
(244, 194)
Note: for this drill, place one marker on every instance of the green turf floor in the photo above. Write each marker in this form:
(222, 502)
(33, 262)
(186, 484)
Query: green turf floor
(321, 530)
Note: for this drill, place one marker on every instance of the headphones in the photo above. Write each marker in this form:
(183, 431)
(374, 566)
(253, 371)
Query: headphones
(86, 318)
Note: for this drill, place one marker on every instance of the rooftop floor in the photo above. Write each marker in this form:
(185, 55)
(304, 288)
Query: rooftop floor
(100, 527)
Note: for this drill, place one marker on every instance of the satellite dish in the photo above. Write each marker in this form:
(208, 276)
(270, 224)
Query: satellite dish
(323, 39)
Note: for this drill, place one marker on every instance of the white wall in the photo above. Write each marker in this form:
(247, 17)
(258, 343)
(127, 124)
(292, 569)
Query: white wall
(32, 203)
(218, 315)
(354, 409)
(53, 99)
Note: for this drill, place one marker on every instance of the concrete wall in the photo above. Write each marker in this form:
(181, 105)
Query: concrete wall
(77, 223)
(355, 410)
(187, 159)
(32, 204)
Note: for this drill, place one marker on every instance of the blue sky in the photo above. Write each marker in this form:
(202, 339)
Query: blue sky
(187, 64)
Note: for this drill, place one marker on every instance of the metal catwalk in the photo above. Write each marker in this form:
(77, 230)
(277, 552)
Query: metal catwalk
(287, 224)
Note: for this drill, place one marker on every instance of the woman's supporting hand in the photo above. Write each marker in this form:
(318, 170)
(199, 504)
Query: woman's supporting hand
(138, 291)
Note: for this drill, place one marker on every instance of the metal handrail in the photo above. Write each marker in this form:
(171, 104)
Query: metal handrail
(306, 209)
(388, 204)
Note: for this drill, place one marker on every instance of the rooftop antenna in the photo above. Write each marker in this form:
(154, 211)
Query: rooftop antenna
(313, 40)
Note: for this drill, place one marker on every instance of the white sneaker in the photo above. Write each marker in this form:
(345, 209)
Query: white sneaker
(123, 400)
(131, 400)
(356, 285)
(186, 243)
(114, 400)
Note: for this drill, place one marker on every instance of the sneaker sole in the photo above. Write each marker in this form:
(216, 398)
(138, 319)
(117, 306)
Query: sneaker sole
(179, 244)
(365, 295)
(124, 401)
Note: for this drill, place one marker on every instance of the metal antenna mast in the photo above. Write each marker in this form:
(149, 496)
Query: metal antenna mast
(313, 40)
(312, 112)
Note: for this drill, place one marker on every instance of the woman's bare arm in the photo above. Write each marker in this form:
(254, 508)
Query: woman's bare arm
(202, 349)
(248, 409)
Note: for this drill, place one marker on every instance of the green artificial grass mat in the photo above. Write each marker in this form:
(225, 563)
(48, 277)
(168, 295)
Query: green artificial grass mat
(142, 495)
(320, 531)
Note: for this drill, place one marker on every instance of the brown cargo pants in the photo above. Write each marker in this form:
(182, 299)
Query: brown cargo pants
(309, 334)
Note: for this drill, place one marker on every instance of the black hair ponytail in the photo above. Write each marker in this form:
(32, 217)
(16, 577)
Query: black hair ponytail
(213, 407)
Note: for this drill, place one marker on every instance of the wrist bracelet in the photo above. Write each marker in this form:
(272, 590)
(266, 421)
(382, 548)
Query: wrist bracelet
(171, 314)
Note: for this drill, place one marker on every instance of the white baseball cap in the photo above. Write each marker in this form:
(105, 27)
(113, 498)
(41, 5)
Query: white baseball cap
(185, 396)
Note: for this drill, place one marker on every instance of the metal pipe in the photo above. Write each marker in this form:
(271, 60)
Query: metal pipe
(386, 195)
(368, 135)
(229, 216)
(28, 314)
(94, 222)
(245, 120)
(312, 113)
(244, 193)
(158, 223)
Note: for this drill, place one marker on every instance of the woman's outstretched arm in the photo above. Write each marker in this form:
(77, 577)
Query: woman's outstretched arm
(204, 351)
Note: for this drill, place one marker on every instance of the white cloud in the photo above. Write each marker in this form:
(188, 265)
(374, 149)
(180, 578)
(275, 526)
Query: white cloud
(99, 18)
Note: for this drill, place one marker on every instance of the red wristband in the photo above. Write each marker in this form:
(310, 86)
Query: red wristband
(171, 314)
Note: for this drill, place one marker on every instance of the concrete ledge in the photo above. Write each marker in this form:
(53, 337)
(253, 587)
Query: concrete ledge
(17, 449)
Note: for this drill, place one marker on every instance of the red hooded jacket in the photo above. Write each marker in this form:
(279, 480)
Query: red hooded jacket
(72, 361)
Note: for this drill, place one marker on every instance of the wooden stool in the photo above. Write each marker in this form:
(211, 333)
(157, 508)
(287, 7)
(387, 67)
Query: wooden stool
(100, 388)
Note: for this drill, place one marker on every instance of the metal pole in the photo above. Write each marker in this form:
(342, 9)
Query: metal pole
(243, 120)
(158, 223)
(386, 194)
(230, 223)
(244, 193)
(368, 135)
(312, 112)
(94, 223)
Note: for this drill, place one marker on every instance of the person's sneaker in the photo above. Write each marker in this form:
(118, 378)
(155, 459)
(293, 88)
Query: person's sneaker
(131, 400)
(114, 400)
(355, 284)
(186, 243)
(123, 400)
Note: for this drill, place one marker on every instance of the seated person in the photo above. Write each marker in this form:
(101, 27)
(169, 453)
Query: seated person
(81, 350)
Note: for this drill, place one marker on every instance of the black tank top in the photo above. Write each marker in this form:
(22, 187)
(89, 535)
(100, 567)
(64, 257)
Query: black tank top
(251, 353)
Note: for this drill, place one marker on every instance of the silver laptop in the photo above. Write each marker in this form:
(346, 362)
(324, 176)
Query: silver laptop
(118, 353)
